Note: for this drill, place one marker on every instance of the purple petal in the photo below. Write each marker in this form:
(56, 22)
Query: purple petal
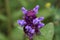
(35, 21)
(41, 18)
(36, 9)
(24, 10)
(30, 36)
(28, 27)
(33, 31)
(21, 22)
(40, 25)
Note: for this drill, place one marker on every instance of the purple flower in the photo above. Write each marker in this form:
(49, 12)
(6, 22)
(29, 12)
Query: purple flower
(40, 25)
(31, 23)
(21, 22)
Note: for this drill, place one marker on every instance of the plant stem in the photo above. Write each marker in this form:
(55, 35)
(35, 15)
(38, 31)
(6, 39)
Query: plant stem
(8, 15)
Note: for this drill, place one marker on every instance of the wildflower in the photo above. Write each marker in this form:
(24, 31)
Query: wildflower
(31, 24)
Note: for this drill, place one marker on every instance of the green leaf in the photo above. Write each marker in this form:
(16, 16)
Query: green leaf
(47, 32)
(39, 37)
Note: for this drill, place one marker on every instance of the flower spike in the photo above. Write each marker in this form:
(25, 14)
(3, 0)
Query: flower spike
(31, 23)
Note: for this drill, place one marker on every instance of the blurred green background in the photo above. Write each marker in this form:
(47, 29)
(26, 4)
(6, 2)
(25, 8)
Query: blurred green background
(10, 12)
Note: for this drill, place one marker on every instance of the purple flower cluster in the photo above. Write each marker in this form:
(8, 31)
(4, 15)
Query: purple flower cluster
(31, 24)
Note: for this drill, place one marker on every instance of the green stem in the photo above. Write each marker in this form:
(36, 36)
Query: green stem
(8, 15)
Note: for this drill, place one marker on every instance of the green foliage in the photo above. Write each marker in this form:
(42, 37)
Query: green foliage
(45, 13)
(2, 17)
(14, 5)
(2, 37)
(17, 15)
(23, 3)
